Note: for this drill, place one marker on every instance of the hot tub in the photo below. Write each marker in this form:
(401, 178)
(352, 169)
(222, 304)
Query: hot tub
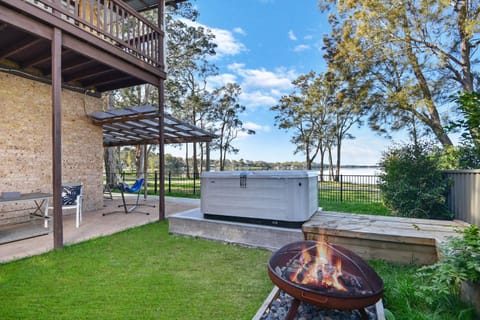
(280, 198)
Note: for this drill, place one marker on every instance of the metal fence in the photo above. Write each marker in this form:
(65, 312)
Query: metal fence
(175, 183)
(350, 188)
(464, 195)
(347, 188)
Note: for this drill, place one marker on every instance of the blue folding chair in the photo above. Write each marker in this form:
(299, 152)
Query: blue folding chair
(135, 188)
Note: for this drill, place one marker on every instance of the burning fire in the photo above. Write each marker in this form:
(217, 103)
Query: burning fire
(319, 269)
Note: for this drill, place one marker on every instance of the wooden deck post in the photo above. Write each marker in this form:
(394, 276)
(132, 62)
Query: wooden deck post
(57, 138)
(161, 111)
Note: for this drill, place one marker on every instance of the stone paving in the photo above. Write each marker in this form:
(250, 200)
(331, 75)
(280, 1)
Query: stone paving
(95, 224)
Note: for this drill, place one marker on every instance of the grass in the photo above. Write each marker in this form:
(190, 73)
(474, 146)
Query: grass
(374, 208)
(143, 273)
(146, 273)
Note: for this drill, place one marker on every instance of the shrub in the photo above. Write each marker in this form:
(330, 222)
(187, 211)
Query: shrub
(412, 184)
(460, 261)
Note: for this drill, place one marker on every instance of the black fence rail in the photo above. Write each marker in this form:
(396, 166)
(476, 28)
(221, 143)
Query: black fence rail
(182, 184)
(175, 183)
(350, 188)
(347, 188)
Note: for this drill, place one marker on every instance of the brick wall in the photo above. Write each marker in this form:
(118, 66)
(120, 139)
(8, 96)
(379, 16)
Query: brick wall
(26, 142)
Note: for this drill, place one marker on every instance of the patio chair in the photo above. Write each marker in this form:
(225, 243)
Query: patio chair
(72, 198)
(135, 188)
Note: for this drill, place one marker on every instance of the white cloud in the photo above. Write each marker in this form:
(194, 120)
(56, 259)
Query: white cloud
(308, 37)
(301, 47)
(220, 80)
(280, 79)
(252, 126)
(256, 127)
(258, 98)
(292, 35)
(227, 44)
(236, 66)
(240, 31)
(260, 87)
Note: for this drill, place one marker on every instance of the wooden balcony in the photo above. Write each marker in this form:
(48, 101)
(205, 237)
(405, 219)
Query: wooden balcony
(106, 44)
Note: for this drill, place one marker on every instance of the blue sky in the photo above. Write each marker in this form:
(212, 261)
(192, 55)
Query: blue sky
(263, 45)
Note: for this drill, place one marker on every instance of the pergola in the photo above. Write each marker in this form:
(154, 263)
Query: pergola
(139, 125)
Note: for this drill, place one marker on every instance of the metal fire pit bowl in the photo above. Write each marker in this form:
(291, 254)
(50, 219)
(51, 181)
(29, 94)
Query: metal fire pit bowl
(351, 263)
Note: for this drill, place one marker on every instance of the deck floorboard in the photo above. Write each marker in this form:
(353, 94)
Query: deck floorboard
(394, 239)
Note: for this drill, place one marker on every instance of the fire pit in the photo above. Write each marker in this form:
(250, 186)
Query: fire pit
(325, 275)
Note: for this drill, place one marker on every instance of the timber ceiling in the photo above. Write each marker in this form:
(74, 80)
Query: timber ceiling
(142, 5)
(30, 55)
(25, 49)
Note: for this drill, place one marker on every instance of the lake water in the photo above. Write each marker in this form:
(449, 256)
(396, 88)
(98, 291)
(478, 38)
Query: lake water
(357, 171)
(356, 175)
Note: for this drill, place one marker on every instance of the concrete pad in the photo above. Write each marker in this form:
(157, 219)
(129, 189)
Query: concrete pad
(94, 225)
(191, 223)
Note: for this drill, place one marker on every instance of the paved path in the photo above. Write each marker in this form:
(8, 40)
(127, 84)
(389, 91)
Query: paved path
(95, 225)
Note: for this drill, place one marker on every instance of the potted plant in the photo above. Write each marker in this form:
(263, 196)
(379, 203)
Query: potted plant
(458, 269)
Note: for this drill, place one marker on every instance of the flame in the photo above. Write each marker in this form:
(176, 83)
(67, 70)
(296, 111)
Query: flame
(318, 270)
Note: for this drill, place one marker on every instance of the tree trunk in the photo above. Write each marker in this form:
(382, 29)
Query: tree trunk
(187, 166)
(195, 160)
(339, 152)
(201, 156)
(112, 165)
(322, 165)
(139, 161)
(330, 161)
(465, 48)
(433, 120)
(307, 157)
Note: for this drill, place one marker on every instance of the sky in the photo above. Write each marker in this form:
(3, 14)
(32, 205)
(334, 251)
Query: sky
(263, 45)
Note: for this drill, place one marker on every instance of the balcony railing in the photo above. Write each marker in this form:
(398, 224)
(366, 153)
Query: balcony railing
(112, 21)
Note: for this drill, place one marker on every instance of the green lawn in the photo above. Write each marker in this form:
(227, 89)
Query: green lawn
(355, 207)
(146, 273)
(143, 273)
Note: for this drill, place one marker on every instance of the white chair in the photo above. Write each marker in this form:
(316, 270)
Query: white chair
(72, 198)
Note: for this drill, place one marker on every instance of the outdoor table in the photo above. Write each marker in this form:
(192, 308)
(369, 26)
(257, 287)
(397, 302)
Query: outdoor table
(40, 200)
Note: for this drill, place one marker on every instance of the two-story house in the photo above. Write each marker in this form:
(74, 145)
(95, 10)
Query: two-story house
(56, 59)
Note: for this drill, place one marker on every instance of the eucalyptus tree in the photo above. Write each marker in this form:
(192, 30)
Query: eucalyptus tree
(306, 112)
(224, 117)
(189, 47)
(348, 89)
(320, 100)
(416, 53)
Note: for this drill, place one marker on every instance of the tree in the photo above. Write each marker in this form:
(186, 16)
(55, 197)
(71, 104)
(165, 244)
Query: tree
(321, 96)
(292, 113)
(415, 52)
(136, 96)
(307, 111)
(225, 118)
(468, 104)
(469, 107)
(188, 48)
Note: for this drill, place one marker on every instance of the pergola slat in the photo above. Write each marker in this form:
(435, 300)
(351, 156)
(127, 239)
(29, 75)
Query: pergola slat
(139, 125)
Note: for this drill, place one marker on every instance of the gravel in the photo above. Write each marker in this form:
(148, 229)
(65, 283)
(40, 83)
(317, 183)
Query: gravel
(279, 308)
